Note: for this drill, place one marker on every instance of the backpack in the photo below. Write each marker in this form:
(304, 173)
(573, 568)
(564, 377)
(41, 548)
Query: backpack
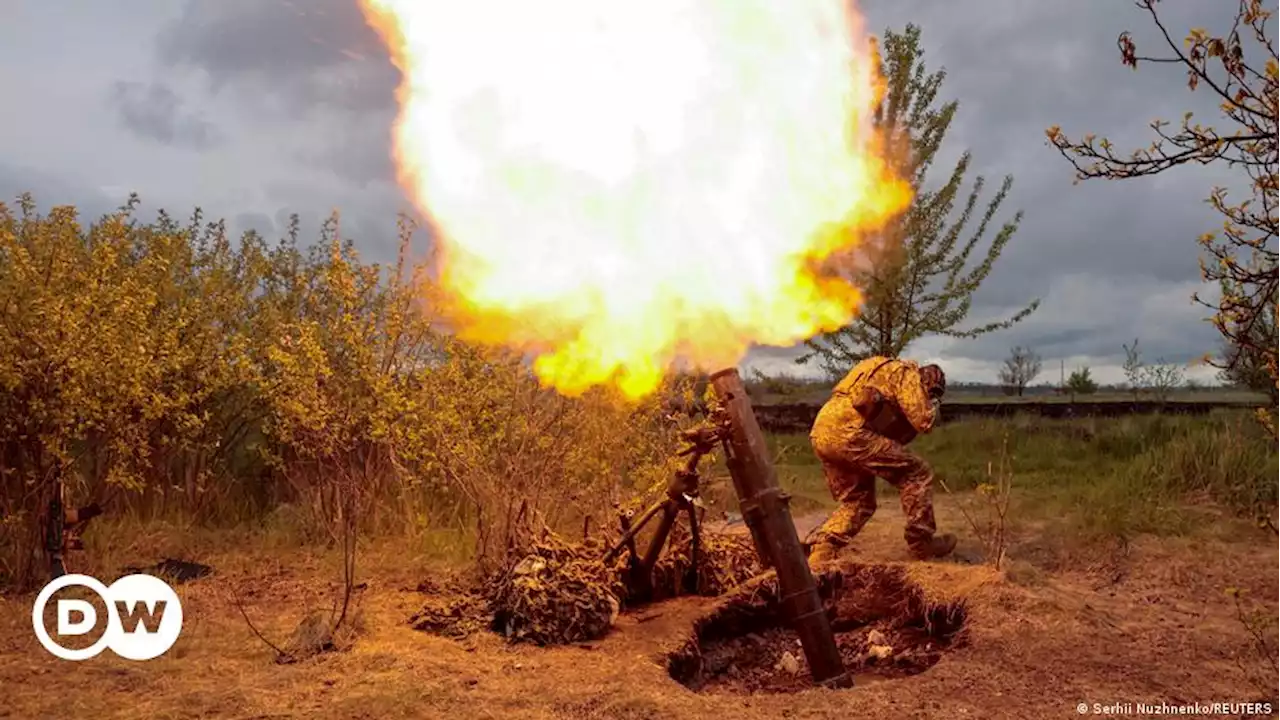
(882, 414)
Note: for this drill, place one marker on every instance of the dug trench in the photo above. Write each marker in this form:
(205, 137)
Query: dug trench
(885, 627)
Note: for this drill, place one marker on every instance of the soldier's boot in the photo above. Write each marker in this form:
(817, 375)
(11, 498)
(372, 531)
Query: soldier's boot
(822, 553)
(936, 547)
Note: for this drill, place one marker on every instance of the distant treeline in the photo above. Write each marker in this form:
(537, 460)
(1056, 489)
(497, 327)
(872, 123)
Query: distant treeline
(799, 417)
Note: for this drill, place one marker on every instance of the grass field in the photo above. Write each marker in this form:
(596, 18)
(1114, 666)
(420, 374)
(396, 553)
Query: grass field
(775, 391)
(1210, 395)
(1139, 474)
(1124, 536)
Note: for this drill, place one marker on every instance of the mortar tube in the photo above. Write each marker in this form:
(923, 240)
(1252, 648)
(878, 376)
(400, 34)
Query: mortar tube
(765, 510)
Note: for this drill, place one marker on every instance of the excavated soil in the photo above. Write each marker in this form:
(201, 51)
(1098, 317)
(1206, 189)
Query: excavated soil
(885, 627)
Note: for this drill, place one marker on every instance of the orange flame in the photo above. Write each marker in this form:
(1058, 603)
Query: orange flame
(618, 186)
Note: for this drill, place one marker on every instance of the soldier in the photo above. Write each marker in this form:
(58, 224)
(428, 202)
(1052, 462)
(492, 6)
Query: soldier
(860, 434)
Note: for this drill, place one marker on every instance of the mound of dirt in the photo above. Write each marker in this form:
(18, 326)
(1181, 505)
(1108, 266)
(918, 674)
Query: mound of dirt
(885, 627)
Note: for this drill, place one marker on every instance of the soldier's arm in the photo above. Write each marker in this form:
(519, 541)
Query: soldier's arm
(914, 401)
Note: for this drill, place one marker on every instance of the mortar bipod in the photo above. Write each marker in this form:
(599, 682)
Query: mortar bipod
(681, 494)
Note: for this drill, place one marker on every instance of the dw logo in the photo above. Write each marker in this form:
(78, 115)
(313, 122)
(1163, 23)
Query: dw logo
(144, 617)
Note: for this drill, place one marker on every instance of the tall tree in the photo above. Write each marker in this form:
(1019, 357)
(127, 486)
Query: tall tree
(916, 274)
(1020, 368)
(1239, 69)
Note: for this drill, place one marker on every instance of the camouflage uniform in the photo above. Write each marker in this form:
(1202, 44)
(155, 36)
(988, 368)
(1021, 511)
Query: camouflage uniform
(853, 456)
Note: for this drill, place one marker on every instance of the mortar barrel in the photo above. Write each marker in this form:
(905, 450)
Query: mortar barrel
(766, 513)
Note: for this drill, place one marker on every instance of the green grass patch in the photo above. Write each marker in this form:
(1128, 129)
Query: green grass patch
(1099, 476)
(790, 391)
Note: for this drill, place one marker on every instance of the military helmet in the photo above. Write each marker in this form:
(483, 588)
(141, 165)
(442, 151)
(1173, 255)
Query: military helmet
(935, 381)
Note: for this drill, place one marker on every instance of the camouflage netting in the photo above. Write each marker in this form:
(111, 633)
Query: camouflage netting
(724, 562)
(557, 592)
(553, 591)
(457, 616)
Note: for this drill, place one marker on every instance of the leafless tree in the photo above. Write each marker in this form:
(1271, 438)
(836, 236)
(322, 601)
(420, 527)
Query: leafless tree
(1159, 379)
(1020, 368)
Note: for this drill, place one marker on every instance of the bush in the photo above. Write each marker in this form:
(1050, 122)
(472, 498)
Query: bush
(169, 370)
(1080, 382)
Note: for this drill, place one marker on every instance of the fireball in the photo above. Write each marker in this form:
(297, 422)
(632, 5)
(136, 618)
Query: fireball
(616, 187)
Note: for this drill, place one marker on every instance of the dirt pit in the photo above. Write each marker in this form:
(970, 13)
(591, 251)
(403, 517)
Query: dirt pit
(885, 625)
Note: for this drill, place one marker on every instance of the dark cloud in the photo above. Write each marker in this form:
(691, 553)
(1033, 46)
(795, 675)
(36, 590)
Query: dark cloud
(315, 61)
(155, 112)
(294, 57)
(1094, 317)
(358, 151)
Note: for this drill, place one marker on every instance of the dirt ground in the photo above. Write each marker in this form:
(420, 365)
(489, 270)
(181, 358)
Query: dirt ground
(1145, 623)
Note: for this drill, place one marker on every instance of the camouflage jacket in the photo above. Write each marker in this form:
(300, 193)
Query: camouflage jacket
(898, 381)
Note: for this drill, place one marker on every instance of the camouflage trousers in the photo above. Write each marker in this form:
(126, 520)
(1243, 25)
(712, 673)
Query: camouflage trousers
(851, 468)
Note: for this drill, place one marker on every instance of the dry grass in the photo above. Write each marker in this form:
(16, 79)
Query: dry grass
(993, 497)
(1162, 630)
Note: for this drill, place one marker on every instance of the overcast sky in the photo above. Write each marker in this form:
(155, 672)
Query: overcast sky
(255, 109)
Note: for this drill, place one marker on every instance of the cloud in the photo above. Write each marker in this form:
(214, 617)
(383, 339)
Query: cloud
(313, 73)
(47, 189)
(154, 111)
(294, 58)
(256, 222)
(363, 157)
